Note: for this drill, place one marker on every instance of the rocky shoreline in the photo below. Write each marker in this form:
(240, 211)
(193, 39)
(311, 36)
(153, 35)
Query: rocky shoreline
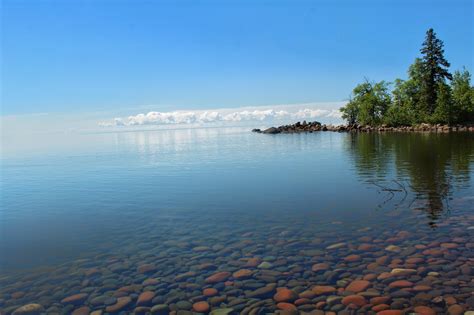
(317, 126)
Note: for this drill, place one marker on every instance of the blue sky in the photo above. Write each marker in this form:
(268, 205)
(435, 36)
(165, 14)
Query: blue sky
(70, 56)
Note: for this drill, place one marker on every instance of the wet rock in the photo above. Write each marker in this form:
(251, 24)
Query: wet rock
(320, 267)
(455, 309)
(354, 299)
(357, 286)
(285, 295)
(271, 130)
(424, 310)
(222, 311)
(85, 310)
(201, 307)
(264, 292)
(76, 299)
(218, 277)
(160, 309)
(121, 304)
(242, 274)
(29, 309)
(145, 298)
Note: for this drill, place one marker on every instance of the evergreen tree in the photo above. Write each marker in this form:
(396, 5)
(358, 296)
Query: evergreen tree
(435, 69)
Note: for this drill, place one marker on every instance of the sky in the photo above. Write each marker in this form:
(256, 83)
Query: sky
(104, 55)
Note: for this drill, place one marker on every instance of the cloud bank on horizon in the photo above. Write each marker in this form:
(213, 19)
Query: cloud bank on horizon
(327, 112)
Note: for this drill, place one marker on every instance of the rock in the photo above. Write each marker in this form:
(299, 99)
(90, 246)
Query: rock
(242, 274)
(222, 311)
(29, 309)
(145, 298)
(85, 310)
(146, 268)
(286, 306)
(76, 299)
(393, 248)
(320, 267)
(400, 284)
(271, 130)
(122, 302)
(390, 312)
(402, 272)
(323, 289)
(218, 277)
(201, 307)
(285, 295)
(184, 305)
(455, 309)
(352, 258)
(354, 299)
(210, 292)
(335, 246)
(265, 265)
(160, 309)
(263, 292)
(357, 286)
(424, 310)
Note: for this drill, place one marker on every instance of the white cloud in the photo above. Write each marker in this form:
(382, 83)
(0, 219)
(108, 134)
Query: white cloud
(282, 113)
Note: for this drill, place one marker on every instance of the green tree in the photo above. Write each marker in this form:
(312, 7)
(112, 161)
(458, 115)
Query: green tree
(368, 104)
(445, 112)
(350, 112)
(463, 96)
(435, 69)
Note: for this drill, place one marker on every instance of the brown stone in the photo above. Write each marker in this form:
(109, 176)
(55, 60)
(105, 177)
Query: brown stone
(424, 310)
(352, 258)
(320, 267)
(122, 302)
(285, 295)
(401, 284)
(218, 277)
(75, 299)
(323, 289)
(358, 300)
(358, 286)
(210, 292)
(286, 306)
(146, 268)
(455, 309)
(81, 311)
(201, 307)
(145, 298)
(242, 274)
(390, 312)
(379, 300)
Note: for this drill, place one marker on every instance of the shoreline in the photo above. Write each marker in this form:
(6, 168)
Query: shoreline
(300, 127)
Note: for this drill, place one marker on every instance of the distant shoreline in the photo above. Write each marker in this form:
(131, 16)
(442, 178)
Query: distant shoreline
(315, 126)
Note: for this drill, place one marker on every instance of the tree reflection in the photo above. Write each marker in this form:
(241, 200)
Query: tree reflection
(431, 164)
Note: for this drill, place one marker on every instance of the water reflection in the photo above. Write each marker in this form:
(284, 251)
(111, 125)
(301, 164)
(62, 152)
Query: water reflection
(429, 164)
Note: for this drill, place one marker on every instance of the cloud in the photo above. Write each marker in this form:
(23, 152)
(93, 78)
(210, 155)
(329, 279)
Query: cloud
(277, 113)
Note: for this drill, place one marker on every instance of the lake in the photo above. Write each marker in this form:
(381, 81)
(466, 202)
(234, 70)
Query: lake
(226, 220)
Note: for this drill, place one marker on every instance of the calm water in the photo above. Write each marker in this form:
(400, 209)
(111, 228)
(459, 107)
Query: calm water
(179, 199)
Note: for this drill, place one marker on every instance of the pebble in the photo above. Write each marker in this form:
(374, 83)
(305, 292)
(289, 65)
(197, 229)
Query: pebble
(358, 286)
(29, 309)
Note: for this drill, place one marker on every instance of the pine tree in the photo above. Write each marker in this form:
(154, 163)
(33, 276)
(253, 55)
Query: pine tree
(435, 69)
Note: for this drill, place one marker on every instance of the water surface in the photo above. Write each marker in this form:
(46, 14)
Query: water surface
(178, 199)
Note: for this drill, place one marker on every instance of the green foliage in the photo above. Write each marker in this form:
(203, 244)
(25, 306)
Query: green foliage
(463, 95)
(423, 97)
(434, 69)
(445, 112)
(350, 112)
(373, 100)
